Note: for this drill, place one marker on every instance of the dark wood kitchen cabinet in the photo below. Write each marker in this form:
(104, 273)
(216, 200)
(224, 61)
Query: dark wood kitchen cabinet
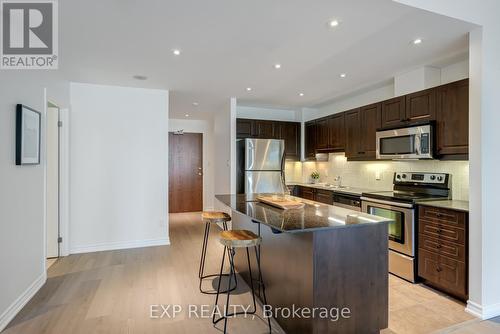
(314, 194)
(421, 106)
(370, 122)
(290, 133)
(361, 126)
(264, 129)
(310, 140)
(352, 134)
(336, 133)
(322, 134)
(245, 128)
(443, 249)
(452, 124)
(393, 112)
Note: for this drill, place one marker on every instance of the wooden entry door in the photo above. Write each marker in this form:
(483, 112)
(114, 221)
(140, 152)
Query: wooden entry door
(185, 163)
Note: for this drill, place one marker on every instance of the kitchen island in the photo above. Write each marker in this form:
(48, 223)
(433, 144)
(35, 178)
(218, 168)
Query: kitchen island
(318, 257)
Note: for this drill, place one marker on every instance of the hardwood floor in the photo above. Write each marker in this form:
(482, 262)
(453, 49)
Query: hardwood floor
(112, 292)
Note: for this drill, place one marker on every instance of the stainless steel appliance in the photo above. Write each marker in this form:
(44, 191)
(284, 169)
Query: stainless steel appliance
(261, 166)
(400, 206)
(351, 202)
(414, 142)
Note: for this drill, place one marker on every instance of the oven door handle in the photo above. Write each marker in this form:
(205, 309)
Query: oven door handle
(403, 205)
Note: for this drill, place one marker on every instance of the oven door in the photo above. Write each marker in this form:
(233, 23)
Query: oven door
(402, 229)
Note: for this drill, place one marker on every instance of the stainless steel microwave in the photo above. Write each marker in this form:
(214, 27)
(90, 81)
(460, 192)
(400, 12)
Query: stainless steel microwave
(413, 142)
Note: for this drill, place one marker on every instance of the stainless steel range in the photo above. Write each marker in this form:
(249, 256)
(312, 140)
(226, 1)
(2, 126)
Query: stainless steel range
(400, 205)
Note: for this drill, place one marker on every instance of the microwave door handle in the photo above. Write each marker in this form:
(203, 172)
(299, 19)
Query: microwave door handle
(417, 144)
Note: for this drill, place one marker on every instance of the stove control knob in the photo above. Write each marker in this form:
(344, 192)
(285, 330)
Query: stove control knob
(398, 176)
(440, 178)
(403, 176)
(433, 177)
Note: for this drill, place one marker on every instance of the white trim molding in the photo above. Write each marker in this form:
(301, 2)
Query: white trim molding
(107, 246)
(14, 308)
(483, 312)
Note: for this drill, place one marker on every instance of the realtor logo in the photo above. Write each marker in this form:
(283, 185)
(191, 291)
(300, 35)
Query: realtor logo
(29, 34)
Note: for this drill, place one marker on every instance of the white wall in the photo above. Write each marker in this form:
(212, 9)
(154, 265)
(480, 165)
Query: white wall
(352, 101)
(118, 167)
(206, 128)
(404, 83)
(225, 150)
(273, 114)
(22, 194)
(378, 175)
(484, 82)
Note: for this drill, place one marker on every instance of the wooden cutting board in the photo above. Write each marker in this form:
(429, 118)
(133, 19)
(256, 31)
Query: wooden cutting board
(281, 202)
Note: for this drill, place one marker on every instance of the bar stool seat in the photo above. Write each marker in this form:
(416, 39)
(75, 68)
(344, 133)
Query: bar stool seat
(209, 218)
(240, 239)
(215, 217)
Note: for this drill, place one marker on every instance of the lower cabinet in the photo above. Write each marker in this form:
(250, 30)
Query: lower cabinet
(443, 250)
(313, 194)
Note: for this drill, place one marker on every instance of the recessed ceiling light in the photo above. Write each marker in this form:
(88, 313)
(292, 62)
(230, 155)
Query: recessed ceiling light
(176, 52)
(417, 41)
(343, 75)
(277, 66)
(140, 77)
(301, 94)
(195, 104)
(187, 115)
(249, 89)
(334, 23)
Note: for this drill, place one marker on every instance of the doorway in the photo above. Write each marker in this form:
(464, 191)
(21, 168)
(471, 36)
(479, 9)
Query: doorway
(53, 184)
(185, 165)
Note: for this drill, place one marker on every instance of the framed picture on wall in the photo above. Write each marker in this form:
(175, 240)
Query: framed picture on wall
(28, 135)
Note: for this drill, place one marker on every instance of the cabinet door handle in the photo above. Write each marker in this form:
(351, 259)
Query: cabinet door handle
(439, 215)
(438, 269)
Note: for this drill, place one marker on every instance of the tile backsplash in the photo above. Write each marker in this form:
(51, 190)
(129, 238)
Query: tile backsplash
(378, 175)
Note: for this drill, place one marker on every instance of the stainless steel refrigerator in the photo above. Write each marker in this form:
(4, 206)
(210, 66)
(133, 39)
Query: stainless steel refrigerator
(261, 166)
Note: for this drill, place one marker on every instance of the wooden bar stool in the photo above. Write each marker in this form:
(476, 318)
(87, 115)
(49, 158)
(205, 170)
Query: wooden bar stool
(209, 218)
(240, 239)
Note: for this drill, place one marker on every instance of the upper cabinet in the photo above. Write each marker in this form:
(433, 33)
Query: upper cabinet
(290, 133)
(370, 121)
(264, 129)
(393, 111)
(453, 120)
(421, 106)
(245, 128)
(336, 127)
(322, 134)
(352, 134)
(310, 131)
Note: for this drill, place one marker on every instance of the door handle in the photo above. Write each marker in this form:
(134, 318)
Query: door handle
(199, 174)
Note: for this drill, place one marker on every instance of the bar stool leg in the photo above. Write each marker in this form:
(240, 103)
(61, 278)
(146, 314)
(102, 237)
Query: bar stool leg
(257, 256)
(218, 284)
(231, 273)
(201, 270)
(204, 251)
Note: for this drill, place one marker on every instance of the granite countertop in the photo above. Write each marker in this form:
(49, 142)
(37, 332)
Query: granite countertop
(314, 215)
(449, 204)
(344, 190)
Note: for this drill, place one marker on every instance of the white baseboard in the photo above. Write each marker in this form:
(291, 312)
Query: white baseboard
(106, 246)
(22, 300)
(209, 208)
(483, 312)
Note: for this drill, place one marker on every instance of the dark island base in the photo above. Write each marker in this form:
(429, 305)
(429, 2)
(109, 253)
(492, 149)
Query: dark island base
(334, 269)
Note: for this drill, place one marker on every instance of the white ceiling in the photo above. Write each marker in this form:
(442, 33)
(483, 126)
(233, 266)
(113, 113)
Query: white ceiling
(228, 45)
